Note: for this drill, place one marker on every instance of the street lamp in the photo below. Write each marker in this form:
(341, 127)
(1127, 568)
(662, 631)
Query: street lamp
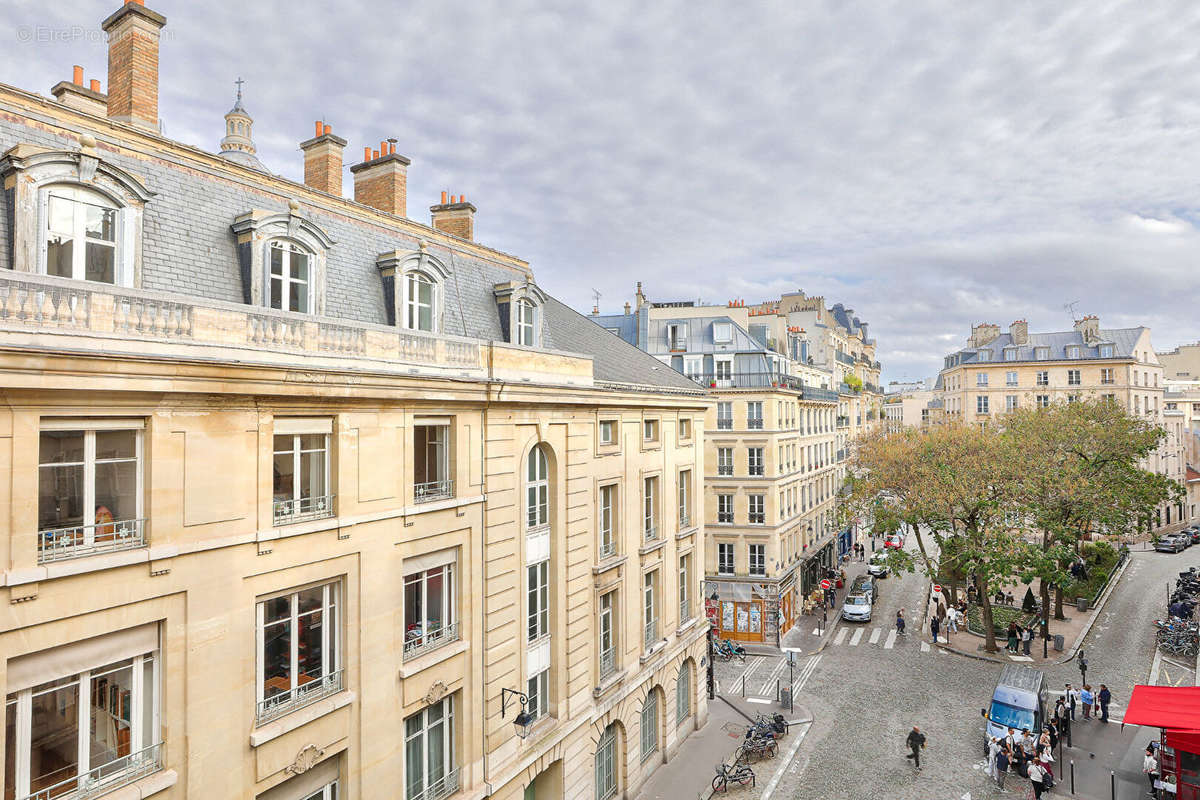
(523, 719)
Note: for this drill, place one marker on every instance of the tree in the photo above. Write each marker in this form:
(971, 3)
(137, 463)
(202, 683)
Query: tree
(952, 483)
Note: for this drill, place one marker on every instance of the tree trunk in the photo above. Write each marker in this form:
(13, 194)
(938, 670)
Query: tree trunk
(1058, 603)
(985, 608)
(953, 592)
(1044, 590)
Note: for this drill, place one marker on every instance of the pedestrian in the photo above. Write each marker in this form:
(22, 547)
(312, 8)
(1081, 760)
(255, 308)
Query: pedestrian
(1026, 639)
(1104, 696)
(1027, 742)
(1086, 698)
(1064, 729)
(1012, 637)
(1035, 775)
(1072, 699)
(1060, 709)
(1010, 741)
(1018, 760)
(915, 742)
(900, 622)
(993, 750)
(1150, 768)
(1052, 730)
(1002, 759)
(934, 626)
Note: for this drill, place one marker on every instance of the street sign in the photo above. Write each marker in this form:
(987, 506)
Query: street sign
(937, 589)
(825, 584)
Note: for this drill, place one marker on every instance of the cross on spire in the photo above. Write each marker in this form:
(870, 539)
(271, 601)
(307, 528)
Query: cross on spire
(239, 83)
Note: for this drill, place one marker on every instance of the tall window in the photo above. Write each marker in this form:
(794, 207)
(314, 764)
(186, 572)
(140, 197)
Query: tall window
(1010, 402)
(608, 505)
(683, 694)
(301, 475)
(725, 508)
(89, 489)
(685, 498)
(526, 318)
(650, 608)
(676, 336)
(299, 650)
(1043, 378)
(1073, 377)
(723, 371)
(432, 463)
(725, 558)
(724, 461)
(981, 379)
(1042, 400)
(1010, 378)
(758, 559)
(757, 512)
(606, 764)
(538, 692)
(650, 508)
(608, 431)
(429, 767)
(754, 457)
(429, 610)
(538, 606)
(724, 416)
(754, 415)
(1106, 375)
(981, 404)
(608, 641)
(81, 235)
(291, 274)
(419, 291)
(537, 489)
(650, 725)
(685, 577)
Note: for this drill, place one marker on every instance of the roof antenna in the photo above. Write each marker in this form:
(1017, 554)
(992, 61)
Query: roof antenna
(595, 301)
(1070, 309)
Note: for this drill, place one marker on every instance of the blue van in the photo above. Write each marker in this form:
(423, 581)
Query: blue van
(1019, 701)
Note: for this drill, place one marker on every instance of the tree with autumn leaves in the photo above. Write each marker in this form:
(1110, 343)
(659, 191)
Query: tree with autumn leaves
(1012, 499)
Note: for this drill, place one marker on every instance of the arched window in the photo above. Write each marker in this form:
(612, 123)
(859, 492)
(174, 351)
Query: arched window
(419, 296)
(606, 764)
(649, 724)
(289, 277)
(683, 693)
(80, 237)
(537, 489)
(526, 318)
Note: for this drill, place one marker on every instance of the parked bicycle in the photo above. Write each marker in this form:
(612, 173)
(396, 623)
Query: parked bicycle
(755, 746)
(739, 773)
(728, 651)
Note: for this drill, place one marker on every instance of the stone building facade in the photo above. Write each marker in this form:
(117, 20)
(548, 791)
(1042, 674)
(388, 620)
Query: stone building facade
(309, 500)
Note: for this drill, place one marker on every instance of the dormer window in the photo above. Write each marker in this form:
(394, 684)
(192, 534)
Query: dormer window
(1106, 351)
(985, 355)
(80, 235)
(1041, 353)
(722, 332)
(676, 336)
(520, 307)
(419, 297)
(282, 258)
(526, 315)
(290, 273)
(1012, 353)
(1073, 351)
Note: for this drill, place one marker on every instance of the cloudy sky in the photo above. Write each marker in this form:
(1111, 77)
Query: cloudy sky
(928, 164)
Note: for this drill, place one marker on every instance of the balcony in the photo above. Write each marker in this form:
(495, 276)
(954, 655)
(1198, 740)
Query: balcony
(650, 532)
(724, 424)
(422, 643)
(105, 778)
(844, 358)
(685, 611)
(303, 695)
(438, 788)
(608, 663)
(289, 512)
(607, 548)
(60, 544)
(677, 344)
(685, 520)
(650, 633)
(819, 394)
(748, 380)
(754, 424)
(433, 490)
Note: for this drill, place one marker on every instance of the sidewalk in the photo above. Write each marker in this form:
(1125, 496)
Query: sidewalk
(1103, 756)
(690, 771)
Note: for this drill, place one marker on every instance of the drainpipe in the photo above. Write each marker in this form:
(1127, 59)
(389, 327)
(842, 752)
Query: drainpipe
(487, 404)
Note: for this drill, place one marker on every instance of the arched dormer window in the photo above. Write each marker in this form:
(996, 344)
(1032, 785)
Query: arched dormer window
(520, 307)
(289, 277)
(413, 289)
(420, 292)
(537, 489)
(282, 257)
(526, 319)
(74, 215)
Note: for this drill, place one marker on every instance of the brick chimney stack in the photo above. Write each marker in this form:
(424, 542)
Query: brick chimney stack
(323, 160)
(984, 333)
(1089, 328)
(381, 180)
(133, 34)
(1019, 331)
(74, 94)
(455, 216)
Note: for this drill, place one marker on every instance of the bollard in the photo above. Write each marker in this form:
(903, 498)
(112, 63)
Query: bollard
(1072, 776)
(1112, 785)
(777, 690)
(743, 686)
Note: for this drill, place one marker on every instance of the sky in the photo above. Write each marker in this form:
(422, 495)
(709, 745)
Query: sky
(929, 164)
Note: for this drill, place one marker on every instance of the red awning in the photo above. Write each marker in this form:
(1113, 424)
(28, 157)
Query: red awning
(1176, 707)
(1187, 741)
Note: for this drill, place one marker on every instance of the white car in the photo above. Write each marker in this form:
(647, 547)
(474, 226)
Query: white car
(857, 608)
(877, 564)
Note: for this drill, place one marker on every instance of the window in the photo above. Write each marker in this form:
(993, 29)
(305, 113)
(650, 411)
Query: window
(537, 612)
(722, 332)
(429, 765)
(685, 498)
(89, 488)
(685, 428)
(78, 731)
(1073, 377)
(693, 367)
(650, 508)
(432, 468)
(754, 457)
(608, 642)
(725, 508)
(981, 404)
(985, 355)
(650, 608)
(758, 559)
(754, 415)
(608, 507)
(606, 764)
(526, 323)
(723, 371)
(608, 432)
(327, 792)
(299, 649)
(724, 416)
(1041, 353)
(301, 471)
(419, 298)
(725, 565)
(1106, 375)
(685, 577)
(538, 692)
(429, 610)
(1072, 398)
(80, 235)
(676, 336)
(1010, 402)
(650, 725)
(1073, 351)
(757, 506)
(683, 694)
(537, 489)
(981, 379)
(650, 430)
(1043, 378)
(1042, 400)
(1106, 351)
(290, 276)
(1010, 378)
(1012, 353)
(724, 461)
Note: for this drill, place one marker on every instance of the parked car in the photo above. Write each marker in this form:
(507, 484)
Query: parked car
(1193, 533)
(1172, 543)
(877, 564)
(857, 608)
(864, 584)
(895, 540)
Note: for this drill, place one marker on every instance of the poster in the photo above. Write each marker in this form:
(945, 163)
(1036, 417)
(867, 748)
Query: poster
(755, 619)
(727, 615)
(743, 620)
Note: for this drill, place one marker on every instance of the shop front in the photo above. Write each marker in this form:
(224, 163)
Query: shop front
(748, 611)
(1176, 711)
(845, 541)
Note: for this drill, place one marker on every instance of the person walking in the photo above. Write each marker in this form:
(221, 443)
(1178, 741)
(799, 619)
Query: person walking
(1012, 637)
(900, 622)
(993, 750)
(1002, 759)
(1026, 639)
(1150, 768)
(1036, 775)
(934, 627)
(1072, 699)
(951, 622)
(1104, 697)
(1086, 698)
(1052, 730)
(915, 742)
(1064, 728)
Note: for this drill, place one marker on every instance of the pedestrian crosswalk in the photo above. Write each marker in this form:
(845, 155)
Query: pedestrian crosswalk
(848, 636)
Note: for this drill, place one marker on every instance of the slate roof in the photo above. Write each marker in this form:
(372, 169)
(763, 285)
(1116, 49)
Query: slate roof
(1123, 341)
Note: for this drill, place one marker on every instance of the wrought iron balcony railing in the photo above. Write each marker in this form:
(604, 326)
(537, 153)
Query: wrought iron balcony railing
(58, 544)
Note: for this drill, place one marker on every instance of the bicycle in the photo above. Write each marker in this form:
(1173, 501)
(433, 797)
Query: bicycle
(725, 773)
(756, 747)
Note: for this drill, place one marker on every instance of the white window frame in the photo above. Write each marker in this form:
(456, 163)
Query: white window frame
(537, 600)
(755, 461)
(981, 379)
(982, 404)
(607, 543)
(756, 556)
(722, 332)
(411, 305)
(724, 461)
(650, 614)
(330, 680)
(298, 508)
(725, 509)
(685, 579)
(1107, 375)
(724, 420)
(685, 498)
(1010, 378)
(525, 323)
(723, 371)
(754, 421)
(448, 782)
(607, 772)
(327, 792)
(83, 196)
(756, 509)
(1072, 351)
(1011, 402)
(649, 430)
(683, 695)
(608, 432)
(650, 507)
(1074, 377)
(1042, 400)
(726, 559)
(287, 248)
(648, 722)
(677, 334)
(537, 489)
(537, 689)
(607, 633)
(1042, 378)
(693, 367)
(437, 445)
(1106, 351)
(447, 631)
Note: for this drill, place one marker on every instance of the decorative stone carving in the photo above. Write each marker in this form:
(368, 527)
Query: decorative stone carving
(435, 693)
(306, 759)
